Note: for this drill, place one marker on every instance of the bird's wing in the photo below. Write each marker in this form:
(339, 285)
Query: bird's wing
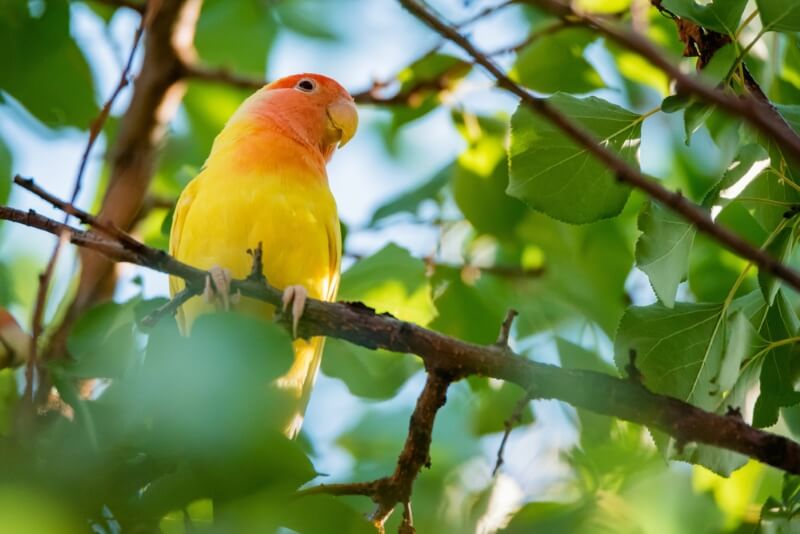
(318, 343)
(182, 207)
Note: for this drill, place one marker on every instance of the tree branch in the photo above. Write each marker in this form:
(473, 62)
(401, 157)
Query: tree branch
(452, 358)
(624, 172)
(168, 44)
(760, 114)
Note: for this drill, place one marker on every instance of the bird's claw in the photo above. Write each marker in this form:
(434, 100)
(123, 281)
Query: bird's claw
(218, 288)
(296, 296)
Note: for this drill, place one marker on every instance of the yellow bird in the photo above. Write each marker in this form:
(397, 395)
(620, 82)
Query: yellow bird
(265, 182)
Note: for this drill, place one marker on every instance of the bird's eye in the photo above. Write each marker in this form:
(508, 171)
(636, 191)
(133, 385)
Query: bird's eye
(306, 85)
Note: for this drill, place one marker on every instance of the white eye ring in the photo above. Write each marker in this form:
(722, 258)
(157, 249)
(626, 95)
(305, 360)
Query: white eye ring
(306, 85)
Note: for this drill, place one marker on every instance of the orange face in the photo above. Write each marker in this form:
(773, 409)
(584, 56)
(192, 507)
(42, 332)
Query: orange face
(310, 106)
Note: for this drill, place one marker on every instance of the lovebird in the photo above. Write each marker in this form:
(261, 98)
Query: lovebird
(265, 181)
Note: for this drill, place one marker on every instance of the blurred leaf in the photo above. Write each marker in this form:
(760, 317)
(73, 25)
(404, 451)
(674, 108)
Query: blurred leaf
(101, 343)
(480, 177)
(422, 83)
(236, 35)
(635, 68)
(7, 294)
(28, 510)
(307, 18)
(316, 513)
(210, 391)
(572, 283)
(37, 49)
(413, 198)
(393, 281)
(779, 15)
(576, 357)
(740, 493)
(467, 309)
(555, 63)
(553, 175)
(550, 517)
(662, 251)
(373, 374)
(602, 6)
(8, 400)
(719, 15)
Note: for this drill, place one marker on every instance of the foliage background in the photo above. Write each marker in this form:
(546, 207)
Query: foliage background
(423, 179)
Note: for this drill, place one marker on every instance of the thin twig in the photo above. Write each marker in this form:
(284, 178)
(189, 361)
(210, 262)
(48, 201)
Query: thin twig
(38, 317)
(97, 124)
(505, 329)
(508, 426)
(624, 172)
(170, 307)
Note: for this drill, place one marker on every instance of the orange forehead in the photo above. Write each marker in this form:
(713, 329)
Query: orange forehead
(327, 84)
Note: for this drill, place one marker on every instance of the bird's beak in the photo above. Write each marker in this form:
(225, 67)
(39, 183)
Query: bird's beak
(343, 120)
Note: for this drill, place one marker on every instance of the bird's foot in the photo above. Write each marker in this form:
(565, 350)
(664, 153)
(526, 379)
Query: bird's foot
(295, 296)
(218, 288)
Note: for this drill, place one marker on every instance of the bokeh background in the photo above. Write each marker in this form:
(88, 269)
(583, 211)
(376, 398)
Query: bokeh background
(357, 418)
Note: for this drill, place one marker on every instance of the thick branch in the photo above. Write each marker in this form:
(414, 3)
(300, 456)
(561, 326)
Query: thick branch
(624, 172)
(156, 95)
(361, 325)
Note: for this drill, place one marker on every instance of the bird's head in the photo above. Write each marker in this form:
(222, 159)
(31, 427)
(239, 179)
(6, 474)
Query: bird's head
(313, 107)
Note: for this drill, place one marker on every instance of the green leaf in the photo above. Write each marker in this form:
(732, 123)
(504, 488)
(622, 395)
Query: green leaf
(553, 175)
(720, 15)
(38, 50)
(781, 248)
(555, 63)
(686, 352)
(410, 200)
(372, 374)
(679, 350)
(779, 15)
(393, 281)
(236, 35)
(550, 517)
(779, 369)
(662, 251)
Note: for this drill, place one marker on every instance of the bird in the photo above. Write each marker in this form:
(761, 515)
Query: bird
(15, 343)
(265, 183)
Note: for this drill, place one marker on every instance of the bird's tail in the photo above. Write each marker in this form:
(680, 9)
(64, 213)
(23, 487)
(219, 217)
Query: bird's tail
(300, 380)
